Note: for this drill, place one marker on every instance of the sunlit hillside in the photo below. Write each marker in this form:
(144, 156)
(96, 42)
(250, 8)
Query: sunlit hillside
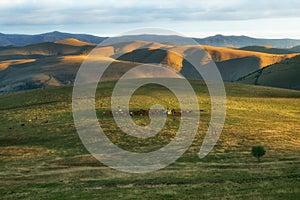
(56, 63)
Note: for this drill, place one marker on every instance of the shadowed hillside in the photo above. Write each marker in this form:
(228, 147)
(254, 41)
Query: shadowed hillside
(284, 74)
(296, 48)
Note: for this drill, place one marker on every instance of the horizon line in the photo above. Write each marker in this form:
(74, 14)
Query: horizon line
(185, 35)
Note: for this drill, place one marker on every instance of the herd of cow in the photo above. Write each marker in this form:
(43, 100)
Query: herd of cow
(142, 112)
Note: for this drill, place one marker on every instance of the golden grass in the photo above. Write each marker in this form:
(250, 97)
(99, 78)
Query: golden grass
(58, 166)
(73, 58)
(129, 46)
(221, 54)
(74, 42)
(173, 60)
(5, 64)
(81, 58)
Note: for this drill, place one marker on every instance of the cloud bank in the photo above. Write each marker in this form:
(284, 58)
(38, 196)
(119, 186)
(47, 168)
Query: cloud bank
(36, 14)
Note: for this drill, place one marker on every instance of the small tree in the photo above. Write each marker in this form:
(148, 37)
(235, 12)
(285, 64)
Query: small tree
(258, 151)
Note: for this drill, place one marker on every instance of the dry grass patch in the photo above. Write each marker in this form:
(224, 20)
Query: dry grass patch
(24, 152)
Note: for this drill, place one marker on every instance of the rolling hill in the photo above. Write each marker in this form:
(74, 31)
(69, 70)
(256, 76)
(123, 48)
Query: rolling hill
(47, 49)
(241, 41)
(52, 71)
(296, 48)
(74, 42)
(56, 63)
(269, 49)
(232, 63)
(284, 74)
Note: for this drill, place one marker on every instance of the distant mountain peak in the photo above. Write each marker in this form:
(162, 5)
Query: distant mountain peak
(53, 32)
(23, 40)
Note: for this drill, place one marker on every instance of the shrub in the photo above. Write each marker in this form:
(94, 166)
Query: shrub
(258, 152)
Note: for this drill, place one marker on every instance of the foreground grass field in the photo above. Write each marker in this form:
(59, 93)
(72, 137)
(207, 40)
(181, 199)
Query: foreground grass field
(42, 156)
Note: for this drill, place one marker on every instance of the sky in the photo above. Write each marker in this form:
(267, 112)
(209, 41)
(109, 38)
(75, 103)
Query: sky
(196, 18)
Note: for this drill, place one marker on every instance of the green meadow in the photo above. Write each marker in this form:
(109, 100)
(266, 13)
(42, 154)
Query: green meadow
(42, 157)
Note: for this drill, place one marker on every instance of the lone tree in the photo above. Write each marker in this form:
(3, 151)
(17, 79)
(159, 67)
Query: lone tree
(258, 151)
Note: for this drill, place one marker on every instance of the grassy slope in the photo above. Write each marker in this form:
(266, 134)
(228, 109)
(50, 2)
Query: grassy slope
(221, 54)
(45, 159)
(284, 74)
(267, 49)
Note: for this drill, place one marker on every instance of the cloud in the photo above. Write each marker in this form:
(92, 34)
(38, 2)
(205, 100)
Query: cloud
(115, 11)
(117, 15)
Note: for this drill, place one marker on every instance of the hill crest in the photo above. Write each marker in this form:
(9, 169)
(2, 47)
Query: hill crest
(74, 42)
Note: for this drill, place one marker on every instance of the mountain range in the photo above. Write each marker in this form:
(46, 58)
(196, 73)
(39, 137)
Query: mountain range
(23, 40)
(217, 40)
(56, 63)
